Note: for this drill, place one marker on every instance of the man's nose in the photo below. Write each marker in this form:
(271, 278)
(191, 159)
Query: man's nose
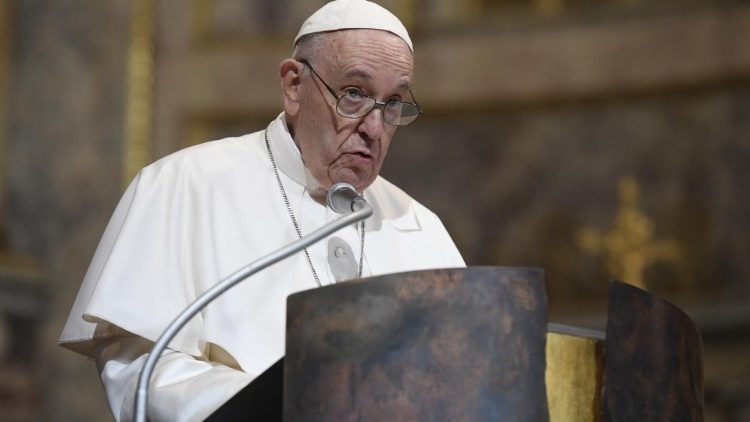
(372, 123)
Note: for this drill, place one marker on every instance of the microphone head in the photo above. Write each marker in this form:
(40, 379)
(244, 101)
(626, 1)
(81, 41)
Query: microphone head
(340, 197)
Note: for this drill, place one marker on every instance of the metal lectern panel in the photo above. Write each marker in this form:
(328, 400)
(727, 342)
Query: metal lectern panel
(437, 345)
(652, 360)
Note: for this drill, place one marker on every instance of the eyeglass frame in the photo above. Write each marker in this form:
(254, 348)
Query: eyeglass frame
(376, 103)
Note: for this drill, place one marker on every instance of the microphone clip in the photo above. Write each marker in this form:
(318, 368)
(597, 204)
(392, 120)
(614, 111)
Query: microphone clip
(343, 199)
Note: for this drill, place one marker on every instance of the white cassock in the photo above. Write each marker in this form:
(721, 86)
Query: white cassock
(191, 219)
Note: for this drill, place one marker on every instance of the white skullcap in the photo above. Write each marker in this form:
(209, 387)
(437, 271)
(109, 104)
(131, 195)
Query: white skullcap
(353, 14)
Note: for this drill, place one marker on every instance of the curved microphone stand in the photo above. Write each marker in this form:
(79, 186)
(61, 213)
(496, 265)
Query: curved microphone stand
(361, 210)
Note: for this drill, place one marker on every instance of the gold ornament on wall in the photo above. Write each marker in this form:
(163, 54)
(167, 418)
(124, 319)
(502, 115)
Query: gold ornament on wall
(628, 247)
(5, 34)
(139, 110)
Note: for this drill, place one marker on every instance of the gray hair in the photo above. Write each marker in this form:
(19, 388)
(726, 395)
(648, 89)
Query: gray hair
(309, 46)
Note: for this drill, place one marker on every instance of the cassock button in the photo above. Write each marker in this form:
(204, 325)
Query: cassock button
(341, 259)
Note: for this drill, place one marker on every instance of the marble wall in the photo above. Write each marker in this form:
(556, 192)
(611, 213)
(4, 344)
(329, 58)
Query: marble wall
(524, 183)
(63, 154)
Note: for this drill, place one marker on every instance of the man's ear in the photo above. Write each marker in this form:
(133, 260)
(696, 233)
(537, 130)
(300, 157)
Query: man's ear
(290, 75)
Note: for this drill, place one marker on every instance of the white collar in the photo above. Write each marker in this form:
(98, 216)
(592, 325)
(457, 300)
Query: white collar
(287, 155)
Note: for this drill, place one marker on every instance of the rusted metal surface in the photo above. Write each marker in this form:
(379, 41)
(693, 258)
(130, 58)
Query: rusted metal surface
(653, 360)
(437, 345)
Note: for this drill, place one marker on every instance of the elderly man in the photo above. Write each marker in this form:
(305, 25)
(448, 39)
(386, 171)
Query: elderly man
(196, 216)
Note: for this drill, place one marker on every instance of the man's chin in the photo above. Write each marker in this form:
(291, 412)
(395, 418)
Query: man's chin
(359, 183)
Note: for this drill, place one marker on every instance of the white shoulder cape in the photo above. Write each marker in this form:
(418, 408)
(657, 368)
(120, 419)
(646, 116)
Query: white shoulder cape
(196, 216)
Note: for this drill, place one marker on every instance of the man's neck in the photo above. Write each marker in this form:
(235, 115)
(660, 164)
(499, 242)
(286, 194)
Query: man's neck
(289, 160)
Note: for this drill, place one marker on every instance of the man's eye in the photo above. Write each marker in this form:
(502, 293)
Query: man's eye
(393, 103)
(353, 93)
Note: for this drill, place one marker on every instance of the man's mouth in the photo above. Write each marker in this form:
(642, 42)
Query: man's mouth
(362, 154)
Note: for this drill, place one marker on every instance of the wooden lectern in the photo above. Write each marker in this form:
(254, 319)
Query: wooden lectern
(473, 345)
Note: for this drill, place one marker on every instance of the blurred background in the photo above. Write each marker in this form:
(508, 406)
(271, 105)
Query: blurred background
(595, 139)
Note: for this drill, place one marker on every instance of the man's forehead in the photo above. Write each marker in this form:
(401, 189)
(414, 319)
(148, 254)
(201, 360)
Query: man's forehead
(363, 74)
(367, 55)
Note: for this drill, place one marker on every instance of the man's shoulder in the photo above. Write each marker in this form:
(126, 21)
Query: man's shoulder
(212, 156)
(393, 200)
(383, 187)
(206, 165)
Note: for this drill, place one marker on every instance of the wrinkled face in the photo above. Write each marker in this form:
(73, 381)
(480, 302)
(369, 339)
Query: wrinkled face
(339, 149)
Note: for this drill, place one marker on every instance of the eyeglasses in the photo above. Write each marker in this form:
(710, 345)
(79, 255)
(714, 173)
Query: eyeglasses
(354, 104)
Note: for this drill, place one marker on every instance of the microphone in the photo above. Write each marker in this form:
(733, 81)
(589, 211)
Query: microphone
(343, 199)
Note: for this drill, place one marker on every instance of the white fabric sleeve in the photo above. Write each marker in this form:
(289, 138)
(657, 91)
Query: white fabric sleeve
(182, 388)
(451, 255)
